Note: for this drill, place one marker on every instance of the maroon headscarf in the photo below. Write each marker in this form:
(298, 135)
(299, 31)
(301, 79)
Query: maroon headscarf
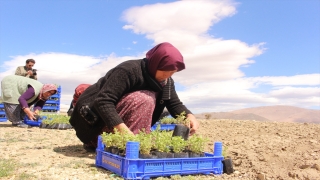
(164, 57)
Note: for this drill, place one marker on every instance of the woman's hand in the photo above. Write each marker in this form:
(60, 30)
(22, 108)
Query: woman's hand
(29, 113)
(194, 124)
(37, 112)
(122, 128)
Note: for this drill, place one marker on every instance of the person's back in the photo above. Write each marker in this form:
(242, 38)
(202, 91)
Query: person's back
(27, 70)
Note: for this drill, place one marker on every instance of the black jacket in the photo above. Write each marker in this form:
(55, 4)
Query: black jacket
(103, 96)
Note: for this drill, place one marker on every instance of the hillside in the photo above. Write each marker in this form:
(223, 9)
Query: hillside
(267, 113)
(284, 113)
(229, 115)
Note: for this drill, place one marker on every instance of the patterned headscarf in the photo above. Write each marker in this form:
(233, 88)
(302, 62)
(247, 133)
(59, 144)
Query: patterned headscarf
(164, 57)
(78, 91)
(46, 88)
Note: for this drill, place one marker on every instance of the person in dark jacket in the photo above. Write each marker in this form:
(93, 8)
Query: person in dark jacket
(131, 96)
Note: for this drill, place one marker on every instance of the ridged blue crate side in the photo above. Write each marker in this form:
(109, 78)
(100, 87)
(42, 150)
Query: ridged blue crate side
(163, 127)
(3, 119)
(135, 168)
(50, 107)
(30, 122)
(110, 161)
(53, 102)
(150, 167)
(55, 96)
(190, 165)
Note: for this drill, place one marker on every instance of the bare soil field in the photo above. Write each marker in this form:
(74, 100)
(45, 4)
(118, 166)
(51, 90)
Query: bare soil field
(259, 150)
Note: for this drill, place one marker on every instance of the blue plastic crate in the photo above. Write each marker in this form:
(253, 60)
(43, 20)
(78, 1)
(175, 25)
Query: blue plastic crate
(59, 90)
(54, 111)
(55, 96)
(3, 117)
(132, 167)
(30, 122)
(163, 127)
(51, 101)
(51, 108)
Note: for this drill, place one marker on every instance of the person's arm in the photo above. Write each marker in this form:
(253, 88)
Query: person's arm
(176, 107)
(23, 101)
(105, 102)
(38, 106)
(122, 128)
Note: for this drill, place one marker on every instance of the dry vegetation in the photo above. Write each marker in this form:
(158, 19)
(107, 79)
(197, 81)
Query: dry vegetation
(263, 150)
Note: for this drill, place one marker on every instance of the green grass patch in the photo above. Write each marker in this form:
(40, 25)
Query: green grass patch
(55, 119)
(7, 167)
(26, 176)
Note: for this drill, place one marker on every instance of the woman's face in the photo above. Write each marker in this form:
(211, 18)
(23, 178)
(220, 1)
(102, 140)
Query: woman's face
(163, 75)
(47, 94)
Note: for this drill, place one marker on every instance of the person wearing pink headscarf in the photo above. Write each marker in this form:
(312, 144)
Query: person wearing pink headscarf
(131, 96)
(20, 93)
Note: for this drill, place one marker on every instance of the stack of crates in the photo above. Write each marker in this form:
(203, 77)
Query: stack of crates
(53, 103)
(3, 117)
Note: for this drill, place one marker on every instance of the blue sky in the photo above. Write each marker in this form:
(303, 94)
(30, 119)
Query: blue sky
(238, 54)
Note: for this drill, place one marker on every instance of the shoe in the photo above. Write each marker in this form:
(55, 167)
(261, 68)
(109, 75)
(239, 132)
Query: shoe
(20, 124)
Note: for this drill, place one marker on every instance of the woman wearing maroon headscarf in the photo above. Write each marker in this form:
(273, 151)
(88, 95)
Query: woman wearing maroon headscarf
(19, 93)
(131, 96)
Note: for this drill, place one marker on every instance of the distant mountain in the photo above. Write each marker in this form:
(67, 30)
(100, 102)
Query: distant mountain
(284, 113)
(229, 115)
(268, 113)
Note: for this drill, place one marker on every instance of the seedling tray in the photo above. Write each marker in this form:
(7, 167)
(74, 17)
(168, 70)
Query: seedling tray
(132, 167)
(33, 122)
(163, 127)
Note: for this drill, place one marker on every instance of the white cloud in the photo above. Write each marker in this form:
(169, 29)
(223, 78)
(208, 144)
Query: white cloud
(239, 93)
(185, 24)
(296, 92)
(181, 16)
(302, 79)
(67, 70)
(213, 80)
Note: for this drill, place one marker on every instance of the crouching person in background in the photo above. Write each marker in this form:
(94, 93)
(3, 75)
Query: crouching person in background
(19, 93)
(131, 97)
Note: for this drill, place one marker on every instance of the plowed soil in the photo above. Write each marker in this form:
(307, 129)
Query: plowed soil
(259, 150)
